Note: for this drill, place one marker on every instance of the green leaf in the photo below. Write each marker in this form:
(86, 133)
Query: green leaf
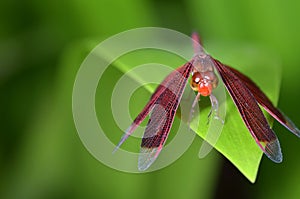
(235, 142)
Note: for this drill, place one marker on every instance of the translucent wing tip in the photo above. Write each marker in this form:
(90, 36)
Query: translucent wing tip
(115, 149)
(123, 138)
(292, 127)
(128, 132)
(273, 151)
(147, 157)
(296, 131)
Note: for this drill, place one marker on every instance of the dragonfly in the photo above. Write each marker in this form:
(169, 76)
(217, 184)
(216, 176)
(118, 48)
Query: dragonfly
(203, 69)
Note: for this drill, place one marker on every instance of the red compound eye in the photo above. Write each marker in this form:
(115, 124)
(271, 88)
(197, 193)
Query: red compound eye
(196, 78)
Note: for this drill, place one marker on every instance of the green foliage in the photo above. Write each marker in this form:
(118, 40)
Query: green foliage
(42, 46)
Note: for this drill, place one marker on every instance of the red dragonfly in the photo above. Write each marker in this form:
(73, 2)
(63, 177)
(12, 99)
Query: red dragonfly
(244, 92)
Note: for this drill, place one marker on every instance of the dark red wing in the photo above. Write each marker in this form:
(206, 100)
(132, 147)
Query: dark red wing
(163, 105)
(162, 116)
(264, 101)
(250, 112)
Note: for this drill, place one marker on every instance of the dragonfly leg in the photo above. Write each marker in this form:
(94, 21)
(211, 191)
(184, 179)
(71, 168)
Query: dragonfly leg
(215, 108)
(195, 102)
(209, 116)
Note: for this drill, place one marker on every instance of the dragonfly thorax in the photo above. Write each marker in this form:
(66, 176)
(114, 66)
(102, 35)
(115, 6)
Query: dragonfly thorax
(202, 62)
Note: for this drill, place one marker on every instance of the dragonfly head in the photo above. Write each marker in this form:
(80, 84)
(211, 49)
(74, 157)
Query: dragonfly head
(204, 82)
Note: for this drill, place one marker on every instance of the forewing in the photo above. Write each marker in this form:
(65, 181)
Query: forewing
(181, 73)
(162, 115)
(264, 101)
(250, 112)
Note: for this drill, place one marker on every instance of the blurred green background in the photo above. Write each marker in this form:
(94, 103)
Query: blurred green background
(42, 46)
